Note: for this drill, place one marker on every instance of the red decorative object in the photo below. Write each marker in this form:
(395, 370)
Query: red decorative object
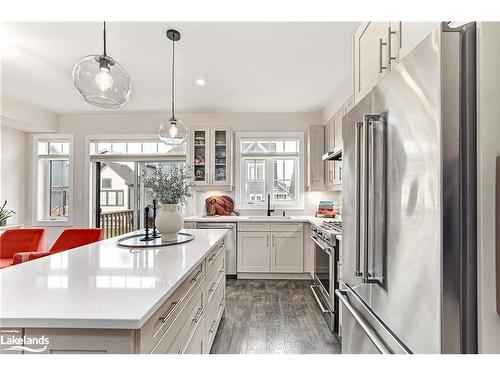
(220, 205)
(13, 241)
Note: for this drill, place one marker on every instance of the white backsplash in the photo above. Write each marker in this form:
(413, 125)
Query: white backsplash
(311, 203)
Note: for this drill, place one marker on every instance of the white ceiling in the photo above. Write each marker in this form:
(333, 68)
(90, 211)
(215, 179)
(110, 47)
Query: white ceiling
(248, 67)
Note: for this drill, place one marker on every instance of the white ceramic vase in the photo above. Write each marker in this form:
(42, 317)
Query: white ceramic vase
(169, 222)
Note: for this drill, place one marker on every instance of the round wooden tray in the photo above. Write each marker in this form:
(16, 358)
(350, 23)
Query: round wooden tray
(135, 241)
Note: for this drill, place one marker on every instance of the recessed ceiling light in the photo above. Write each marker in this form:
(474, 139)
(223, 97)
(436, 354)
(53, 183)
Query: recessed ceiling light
(200, 82)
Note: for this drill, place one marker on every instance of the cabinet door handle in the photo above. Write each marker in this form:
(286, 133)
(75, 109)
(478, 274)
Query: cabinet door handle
(212, 288)
(340, 173)
(381, 66)
(197, 318)
(391, 33)
(170, 311)
(195, 278)
(272, 240)
(211, 325)
(267, 240)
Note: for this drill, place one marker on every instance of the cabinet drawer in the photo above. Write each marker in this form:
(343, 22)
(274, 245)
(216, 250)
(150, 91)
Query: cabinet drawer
(214, 314)
(254, 227)
(163, 318)
(286, 227)
(215, 254)
(214, 278)
(197, 342)
(175, 339)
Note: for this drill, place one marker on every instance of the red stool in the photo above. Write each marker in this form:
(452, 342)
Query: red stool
(13, 241)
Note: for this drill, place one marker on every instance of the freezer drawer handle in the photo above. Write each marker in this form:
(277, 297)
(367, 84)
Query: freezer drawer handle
(369, 332)
(322, 308)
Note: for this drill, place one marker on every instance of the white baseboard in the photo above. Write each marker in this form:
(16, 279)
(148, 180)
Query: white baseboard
(274, 276)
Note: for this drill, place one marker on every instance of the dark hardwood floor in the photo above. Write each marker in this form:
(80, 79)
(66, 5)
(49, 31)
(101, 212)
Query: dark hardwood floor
(272, 317)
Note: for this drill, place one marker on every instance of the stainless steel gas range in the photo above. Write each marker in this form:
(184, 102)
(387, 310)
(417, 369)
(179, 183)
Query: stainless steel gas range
(326, 257)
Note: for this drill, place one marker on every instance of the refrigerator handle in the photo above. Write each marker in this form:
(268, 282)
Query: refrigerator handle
(369, 234)
(365, 326)
(357, 194)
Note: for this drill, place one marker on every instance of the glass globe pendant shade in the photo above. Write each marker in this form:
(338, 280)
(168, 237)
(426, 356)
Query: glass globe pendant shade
(173, 132)
(102, 81)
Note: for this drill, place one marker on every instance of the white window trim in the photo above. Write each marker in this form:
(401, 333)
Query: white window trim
(240, 205)
(35, 173)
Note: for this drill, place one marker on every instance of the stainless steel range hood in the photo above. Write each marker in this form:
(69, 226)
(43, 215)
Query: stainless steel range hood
(332, 155)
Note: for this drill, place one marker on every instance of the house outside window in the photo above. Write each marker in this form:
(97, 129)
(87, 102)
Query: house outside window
(52, 169)
(269, 164)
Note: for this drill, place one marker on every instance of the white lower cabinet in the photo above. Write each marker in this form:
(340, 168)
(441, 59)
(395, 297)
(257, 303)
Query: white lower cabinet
(253, 251)
(287, 254)
(280, 249)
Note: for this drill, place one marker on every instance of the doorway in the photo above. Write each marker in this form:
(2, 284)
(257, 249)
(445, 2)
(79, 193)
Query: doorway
(120, 197)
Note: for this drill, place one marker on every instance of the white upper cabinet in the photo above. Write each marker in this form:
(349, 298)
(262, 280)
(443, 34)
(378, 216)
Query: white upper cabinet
(379, 47)
(329, 144)
(220, 152)
(410, 34)
(370, 56)
(315, 178)
(211, 157)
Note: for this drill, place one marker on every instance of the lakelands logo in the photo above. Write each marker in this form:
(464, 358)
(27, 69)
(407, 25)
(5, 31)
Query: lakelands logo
(12, 340)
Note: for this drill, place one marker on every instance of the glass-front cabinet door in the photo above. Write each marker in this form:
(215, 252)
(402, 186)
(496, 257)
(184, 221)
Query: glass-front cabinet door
(221, 156)
(200, 142)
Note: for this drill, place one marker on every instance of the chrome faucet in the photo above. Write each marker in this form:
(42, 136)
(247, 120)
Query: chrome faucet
(269, 211)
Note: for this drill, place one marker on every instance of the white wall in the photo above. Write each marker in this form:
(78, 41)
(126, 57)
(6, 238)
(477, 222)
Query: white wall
(26, 117)
(489, 149)
(14, 172)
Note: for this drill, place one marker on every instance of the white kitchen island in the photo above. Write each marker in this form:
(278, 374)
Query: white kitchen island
(104, 298)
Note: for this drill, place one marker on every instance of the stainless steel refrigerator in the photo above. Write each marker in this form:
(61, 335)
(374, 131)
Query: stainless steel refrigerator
(408, 282)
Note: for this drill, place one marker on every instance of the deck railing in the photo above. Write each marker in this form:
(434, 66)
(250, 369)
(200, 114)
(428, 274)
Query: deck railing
(115, 223)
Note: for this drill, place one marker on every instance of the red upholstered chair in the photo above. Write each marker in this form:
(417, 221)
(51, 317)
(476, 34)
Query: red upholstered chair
(68, 239)
(71, 238)
(13, 241)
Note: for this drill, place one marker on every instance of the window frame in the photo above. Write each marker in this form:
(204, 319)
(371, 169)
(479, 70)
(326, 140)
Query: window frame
(241, 203)
(40, 185)
(115, 191)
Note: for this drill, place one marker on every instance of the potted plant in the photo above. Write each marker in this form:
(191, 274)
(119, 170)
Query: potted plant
(170, 189)
(5, 214)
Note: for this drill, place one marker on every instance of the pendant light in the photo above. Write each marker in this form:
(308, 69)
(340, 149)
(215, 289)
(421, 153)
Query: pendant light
(173, 131)
(101, 80)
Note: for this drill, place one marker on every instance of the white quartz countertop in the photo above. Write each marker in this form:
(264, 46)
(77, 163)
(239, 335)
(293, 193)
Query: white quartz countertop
(99, 285)
(272, 219)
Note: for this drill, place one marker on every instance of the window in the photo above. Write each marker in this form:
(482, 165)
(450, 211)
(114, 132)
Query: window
(106, 183)
(112, 198)
(52, 190)
(269, 165)
(58, 186)
(134, 147)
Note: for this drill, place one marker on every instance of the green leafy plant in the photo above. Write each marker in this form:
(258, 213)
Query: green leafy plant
(5, 213)
(172, 187)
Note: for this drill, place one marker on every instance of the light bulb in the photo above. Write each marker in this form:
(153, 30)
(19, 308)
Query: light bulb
(104, 80)
(173, 131)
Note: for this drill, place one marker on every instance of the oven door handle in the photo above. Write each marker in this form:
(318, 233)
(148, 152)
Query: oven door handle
(326, 249)
(321, 307)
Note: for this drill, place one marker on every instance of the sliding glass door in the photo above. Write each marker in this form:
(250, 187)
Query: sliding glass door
(120, 197)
